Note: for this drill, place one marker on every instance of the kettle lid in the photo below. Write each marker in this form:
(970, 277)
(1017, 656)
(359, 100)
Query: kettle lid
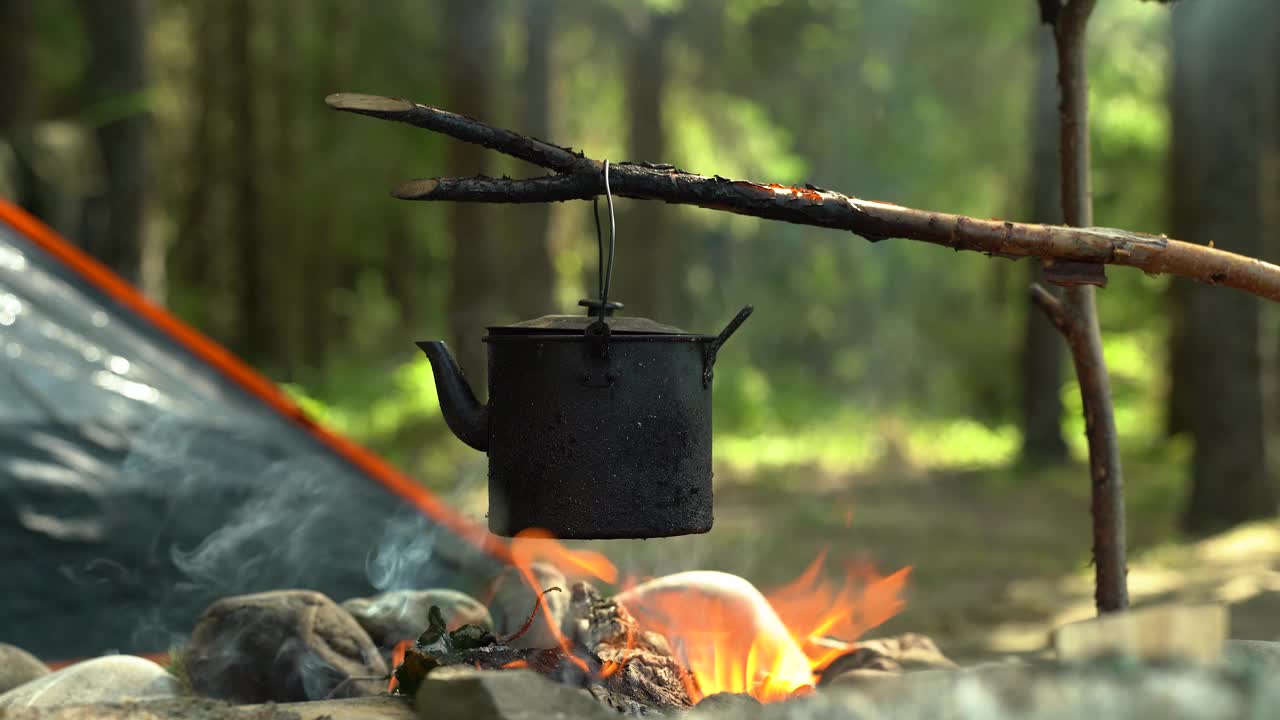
(578, 324)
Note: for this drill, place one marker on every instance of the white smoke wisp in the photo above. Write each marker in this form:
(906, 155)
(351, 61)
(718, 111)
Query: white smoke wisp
(194, 510)
(224, 512)
(403, 560)
(416, 554)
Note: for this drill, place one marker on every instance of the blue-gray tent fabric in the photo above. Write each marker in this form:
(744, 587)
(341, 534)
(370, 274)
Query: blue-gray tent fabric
(137, 484)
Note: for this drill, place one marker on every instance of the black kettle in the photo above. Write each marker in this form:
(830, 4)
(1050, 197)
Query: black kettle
(596, 426)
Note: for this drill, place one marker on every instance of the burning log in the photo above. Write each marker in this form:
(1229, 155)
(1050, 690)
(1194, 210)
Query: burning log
(398, 615)
(512, 595)
(640, 670)
(605, 652)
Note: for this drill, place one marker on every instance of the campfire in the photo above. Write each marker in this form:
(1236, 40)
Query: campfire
(662, 642)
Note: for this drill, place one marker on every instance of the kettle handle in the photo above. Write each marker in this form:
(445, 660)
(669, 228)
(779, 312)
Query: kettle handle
(713, 347)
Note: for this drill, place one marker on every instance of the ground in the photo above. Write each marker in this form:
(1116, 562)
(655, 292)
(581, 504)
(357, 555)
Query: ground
(999, 558)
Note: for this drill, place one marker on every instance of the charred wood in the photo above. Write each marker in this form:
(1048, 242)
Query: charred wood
(603, 651)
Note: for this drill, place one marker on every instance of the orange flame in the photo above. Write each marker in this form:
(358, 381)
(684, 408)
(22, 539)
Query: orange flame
(732, 637)
(813, 608)
(724, 631)
(397, 657)
(537, 545)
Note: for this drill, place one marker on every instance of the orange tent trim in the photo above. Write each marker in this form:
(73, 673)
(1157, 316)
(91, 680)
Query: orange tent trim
(115, 287)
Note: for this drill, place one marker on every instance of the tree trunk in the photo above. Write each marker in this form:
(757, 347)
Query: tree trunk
(199, 280)
(1220, 60)
(477, 285)
(116, 80)
(650, 277)
(1178, 408)
(1042, 358)
(320, 319)
(532, 289)
(18, 112)
(286, 241)
(254, 337)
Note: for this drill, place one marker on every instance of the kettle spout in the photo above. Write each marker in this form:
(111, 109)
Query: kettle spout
(464, 415)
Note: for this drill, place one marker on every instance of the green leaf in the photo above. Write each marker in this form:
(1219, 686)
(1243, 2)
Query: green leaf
(117, 107)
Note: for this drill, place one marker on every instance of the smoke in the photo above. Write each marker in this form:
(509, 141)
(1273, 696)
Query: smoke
(414, 553)
(278, 531)
(140, 484)
(195, 510)
(403, 560)
(239, 515)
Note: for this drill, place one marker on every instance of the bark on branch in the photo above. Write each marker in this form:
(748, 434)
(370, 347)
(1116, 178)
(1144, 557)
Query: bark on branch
(1077, 316)
(579, 178)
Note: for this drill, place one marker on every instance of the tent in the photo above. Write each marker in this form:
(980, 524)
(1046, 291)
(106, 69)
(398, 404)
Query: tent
(145, 472)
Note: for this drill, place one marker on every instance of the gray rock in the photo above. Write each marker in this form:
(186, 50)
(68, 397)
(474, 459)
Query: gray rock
(391, 617)
(386, 707)
(283, 646)
(1257, 652)
(1044, 692)
(179, 708)
(873, 661)
(1006, 692)
(727, 701)
(513, 600)
(859, 663)
(911, 651)
(461, 692)
(861, 678)
(18, 666)
(113, 678)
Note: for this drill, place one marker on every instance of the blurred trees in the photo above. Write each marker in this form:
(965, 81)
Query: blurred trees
(1222, 116)
(477, 276)
(650, 275)
(533, 277)
(279, 239)
(255, 332)
(115, 80)
(1042, 352)
(17, 113)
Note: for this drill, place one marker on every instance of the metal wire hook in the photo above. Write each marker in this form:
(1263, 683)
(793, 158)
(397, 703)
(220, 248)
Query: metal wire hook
(605, 272)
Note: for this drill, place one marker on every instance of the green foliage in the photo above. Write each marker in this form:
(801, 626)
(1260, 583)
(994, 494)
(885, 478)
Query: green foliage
(116, 107)
(858, 353)
(176, 665)
(850, 340)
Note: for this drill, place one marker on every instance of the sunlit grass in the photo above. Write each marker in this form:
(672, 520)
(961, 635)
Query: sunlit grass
(1135, 364)
(858, 445)
(830, 450)
(762, 428)
(410, 394)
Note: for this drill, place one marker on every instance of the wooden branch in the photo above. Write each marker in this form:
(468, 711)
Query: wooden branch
(1077, 317)
(542, 154)
(1054, 310)
(1069, 38)
(580, 179)
(549, 188)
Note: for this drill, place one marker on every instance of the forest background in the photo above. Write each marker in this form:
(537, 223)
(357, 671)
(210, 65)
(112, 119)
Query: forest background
(186, 144)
